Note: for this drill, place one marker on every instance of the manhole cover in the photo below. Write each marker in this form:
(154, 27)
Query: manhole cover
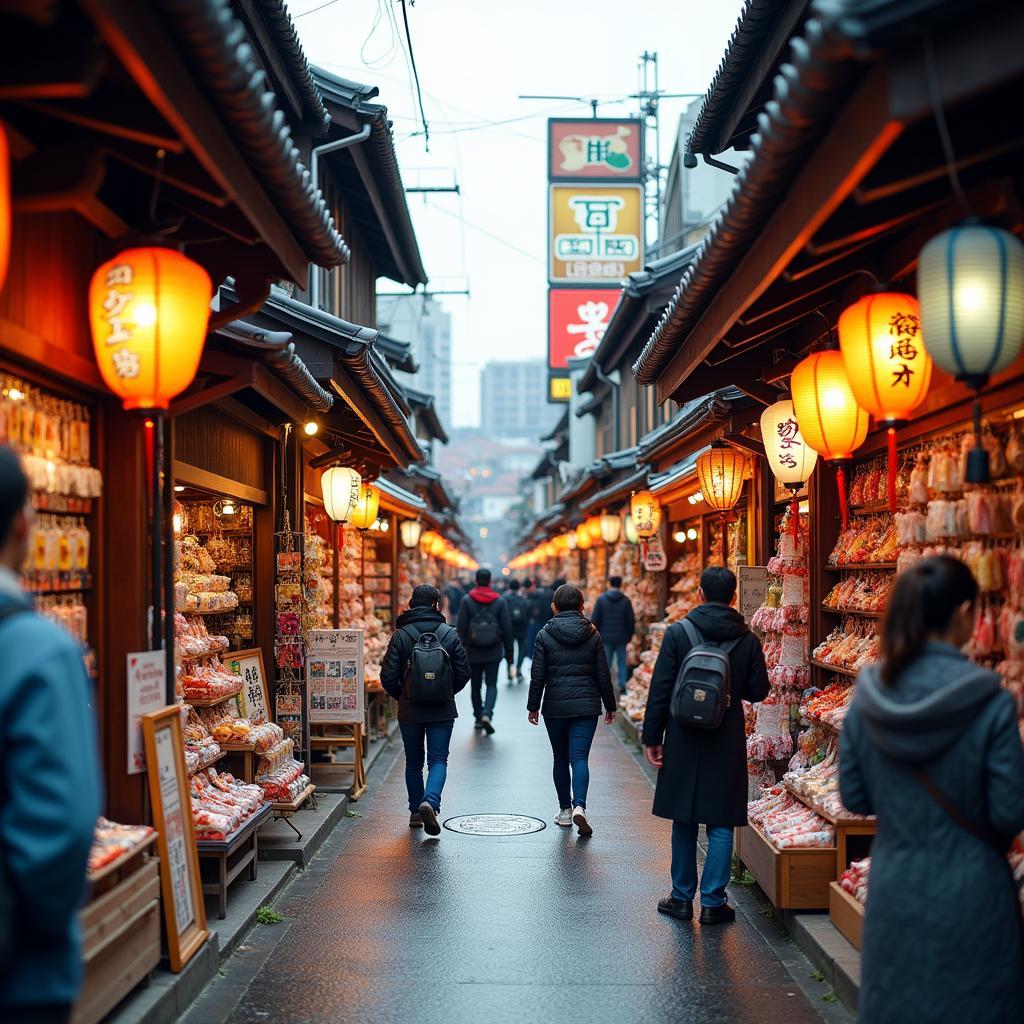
(494, 824)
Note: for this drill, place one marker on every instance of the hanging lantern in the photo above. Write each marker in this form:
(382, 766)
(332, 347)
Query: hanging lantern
(149, 309)
(970, 280)
(629, 530)
(721, 471)
(830, 419)
(790, 458)
(5, 205)
(593, 528)
(886, 363)
(611, 528)
(410, 530)
(550, 550)
(583, 539)
(437, 546)
(562, 542)
(341, 487)
(570, 540)
(645, 511)
(364, 512)
(178, 520)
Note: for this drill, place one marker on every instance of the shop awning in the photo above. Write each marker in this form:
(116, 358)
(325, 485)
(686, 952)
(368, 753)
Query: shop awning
(659, 483)
(398, 499)
(847, 173)
(397, 353)
(616, 493)
(370, 178)
(424, 411)
(697, 424)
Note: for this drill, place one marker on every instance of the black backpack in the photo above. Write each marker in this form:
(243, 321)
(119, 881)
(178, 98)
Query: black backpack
(517, 609)
(484, 630)
(703, 692)
(429, 679)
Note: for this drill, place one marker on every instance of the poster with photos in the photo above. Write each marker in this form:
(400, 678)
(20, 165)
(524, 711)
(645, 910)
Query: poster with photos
(335, 683)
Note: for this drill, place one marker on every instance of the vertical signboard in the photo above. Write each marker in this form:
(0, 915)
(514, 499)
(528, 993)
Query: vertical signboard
(577, 320)
(336, 685)
(596, 233)
(581, 149)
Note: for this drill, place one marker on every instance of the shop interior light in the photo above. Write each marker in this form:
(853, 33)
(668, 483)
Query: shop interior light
(887, 365)
(830, 419)
(15, 394)
(341, 488)
(225, 507)
(970, 282)
(611, 528)
(178, 488)
(311, 427)
(148, 308)
(410, 530)
(178, 518)
(363, 514)
(692, 534)
(679, 536)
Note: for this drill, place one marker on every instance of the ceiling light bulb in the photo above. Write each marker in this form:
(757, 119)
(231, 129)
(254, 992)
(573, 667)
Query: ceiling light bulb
(311, 427)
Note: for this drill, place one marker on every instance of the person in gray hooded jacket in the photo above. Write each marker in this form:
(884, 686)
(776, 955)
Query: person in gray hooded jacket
(931, 746)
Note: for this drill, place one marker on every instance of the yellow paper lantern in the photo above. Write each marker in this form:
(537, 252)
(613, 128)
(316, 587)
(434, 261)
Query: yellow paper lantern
(437, 547)
(570, 541)
(790, 458)
(550, 550)
(593, 528)
(341, 487)
(148, 309)
(721, 471)
(611, 528)
(645, 511)
(364, 512)
(583, 541)
(830, 419)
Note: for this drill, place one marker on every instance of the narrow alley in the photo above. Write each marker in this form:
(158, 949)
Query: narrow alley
(391, 925)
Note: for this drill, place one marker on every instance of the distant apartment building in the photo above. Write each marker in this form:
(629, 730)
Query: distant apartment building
(513, 400)
(428, 329)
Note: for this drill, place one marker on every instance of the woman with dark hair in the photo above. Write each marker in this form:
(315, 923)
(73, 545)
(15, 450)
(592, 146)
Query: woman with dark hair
(931, 746)
(570, 671)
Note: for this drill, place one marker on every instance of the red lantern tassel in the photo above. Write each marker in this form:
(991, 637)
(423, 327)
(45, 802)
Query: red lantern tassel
(844, 508)
(150, 443)
(794, 515)
(893, 460)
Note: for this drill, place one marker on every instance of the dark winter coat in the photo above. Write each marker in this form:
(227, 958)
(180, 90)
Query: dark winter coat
(516, 600)
(482, 597)
(613, 617)
(570, 669)
(396, 658)
(704, 776)
(540, 605)
(942, 936)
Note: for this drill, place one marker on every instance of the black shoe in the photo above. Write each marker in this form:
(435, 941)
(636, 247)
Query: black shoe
(415, 821)
(485, 724)
(717, 915)
(681, 910)
(478, 724)
(429, 816)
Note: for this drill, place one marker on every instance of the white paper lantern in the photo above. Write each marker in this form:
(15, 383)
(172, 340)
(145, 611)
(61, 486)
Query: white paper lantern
(611, 528)
(341, 487)
(970, 283)
(410, 530)
(789, 457)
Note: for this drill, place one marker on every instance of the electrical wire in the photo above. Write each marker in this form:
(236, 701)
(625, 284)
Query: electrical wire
(330, 3)
(935, 90)
(493, 237)
(416, 77)
(387, 58)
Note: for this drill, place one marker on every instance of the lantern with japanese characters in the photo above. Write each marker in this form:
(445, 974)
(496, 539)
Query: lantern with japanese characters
(970, 280)
(887, 365)
(645, 511)
(364, 513)
(721, 471)
(340, 487)
(830, 419)
(149, 308)
(790, 458)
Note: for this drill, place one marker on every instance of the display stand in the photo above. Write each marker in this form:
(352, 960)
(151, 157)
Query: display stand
(795, 879)
(846, 914)
(232, 856)
(284, 809)
(120, 931)
(352, 736)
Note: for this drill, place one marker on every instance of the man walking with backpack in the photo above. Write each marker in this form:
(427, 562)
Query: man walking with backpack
(486, 629)
(519, 613)
(424, 668)
(693, 734)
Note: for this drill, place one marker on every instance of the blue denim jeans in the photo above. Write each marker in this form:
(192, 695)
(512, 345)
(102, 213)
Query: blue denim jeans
(570, 743)
(617, 654)
(438, 736)
(717, 865)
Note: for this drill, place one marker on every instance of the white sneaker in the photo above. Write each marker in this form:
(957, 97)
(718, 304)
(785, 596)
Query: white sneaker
(579, 817)
(564, 817)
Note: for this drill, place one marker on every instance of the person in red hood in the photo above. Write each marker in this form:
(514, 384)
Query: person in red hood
(485, 626)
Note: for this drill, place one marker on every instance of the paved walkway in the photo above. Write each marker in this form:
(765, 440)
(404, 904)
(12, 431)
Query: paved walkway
(393, 926)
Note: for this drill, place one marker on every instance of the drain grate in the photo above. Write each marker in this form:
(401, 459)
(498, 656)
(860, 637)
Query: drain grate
(494, 825)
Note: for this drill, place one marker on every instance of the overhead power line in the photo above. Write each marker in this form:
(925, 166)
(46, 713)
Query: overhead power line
(416, 78)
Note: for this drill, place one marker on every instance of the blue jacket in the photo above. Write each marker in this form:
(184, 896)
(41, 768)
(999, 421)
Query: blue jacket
(942, 936)
(49, 801)
(613, 617)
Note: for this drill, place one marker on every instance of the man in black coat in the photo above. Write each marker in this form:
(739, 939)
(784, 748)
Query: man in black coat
(431, 724)
(613, 616)
(702, 773)
(486, 630)
(519, 613)
(539, 598)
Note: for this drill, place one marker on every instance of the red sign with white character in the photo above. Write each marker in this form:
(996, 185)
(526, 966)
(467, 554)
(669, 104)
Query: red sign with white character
(577, 320)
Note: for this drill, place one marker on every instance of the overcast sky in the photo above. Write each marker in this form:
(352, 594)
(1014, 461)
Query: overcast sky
(475, 57)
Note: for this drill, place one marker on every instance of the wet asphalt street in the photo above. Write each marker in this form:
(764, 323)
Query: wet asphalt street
(390, 925)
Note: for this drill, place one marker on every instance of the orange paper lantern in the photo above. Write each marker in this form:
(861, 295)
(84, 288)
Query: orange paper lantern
(721, 471)
(149, 308)
(645, 511)
(583, 539)
(364, 513)
(593, 528)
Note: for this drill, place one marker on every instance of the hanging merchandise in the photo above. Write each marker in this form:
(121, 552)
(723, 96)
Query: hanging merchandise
(790, 458)
(970, 280)
(887, 365)
(830, 419)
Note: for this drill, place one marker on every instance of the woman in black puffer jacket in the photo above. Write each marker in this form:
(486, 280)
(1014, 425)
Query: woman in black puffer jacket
(570, 672)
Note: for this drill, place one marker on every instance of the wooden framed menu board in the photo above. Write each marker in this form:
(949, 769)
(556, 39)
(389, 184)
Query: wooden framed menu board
(181, 884)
